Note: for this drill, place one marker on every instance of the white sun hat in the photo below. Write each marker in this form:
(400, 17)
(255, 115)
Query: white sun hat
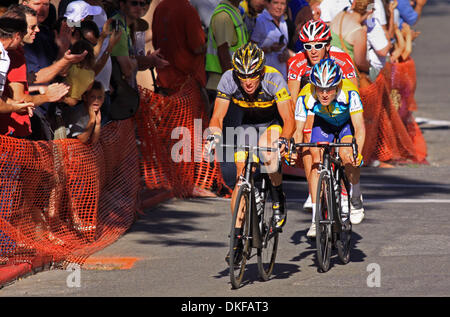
(78, 10)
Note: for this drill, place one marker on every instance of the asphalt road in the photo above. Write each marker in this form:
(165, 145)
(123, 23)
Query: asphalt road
(400, 249)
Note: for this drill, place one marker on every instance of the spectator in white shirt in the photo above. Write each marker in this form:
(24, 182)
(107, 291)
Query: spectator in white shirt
(271, 35)
(330, 8)
(378, 46)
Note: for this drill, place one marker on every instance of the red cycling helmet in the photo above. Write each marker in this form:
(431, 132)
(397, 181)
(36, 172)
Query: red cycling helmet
(315, 31)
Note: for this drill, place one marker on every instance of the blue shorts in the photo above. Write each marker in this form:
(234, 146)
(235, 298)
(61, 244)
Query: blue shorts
(323, 131)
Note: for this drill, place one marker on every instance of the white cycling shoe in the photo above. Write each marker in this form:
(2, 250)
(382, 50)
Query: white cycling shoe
(356, 210)
(312, 231)
(307, 206)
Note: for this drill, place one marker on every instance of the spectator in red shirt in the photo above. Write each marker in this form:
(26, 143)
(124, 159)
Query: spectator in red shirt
(178, 33)
(18, 125)
(12, 30)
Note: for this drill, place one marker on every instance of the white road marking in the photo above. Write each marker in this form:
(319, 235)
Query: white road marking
(391, 201)
(438, 186)
(371, 201)
(420, 120)
(379, 200)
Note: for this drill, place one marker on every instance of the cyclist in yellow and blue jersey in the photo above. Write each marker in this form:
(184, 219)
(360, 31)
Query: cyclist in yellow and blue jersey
(262, 94)
(337, 106)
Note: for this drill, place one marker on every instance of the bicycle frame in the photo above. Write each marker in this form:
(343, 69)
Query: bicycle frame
(248, 179)
(334, 172)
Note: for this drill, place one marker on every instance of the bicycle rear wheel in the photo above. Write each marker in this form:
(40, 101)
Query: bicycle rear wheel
(268, 252)
(343, 242)
(237, 262)
(324, 217)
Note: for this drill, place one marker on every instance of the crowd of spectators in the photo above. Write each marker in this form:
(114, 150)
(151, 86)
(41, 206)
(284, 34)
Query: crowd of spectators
(51, 57)
(57, 63)
(372, 32)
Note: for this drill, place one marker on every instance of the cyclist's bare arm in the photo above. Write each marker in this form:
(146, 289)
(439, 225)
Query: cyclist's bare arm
(220, 110)
(294, 89)
(298, 138)
(285, 109)
(298, 134)
(360, 129)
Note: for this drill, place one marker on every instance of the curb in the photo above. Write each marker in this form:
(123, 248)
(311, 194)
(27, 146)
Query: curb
(156, 199)
(10, 273)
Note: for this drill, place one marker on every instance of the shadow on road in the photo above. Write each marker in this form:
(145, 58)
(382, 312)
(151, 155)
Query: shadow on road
(436, 8)
(394, 186)
(251, 274)
(166, 226)
(299, 237)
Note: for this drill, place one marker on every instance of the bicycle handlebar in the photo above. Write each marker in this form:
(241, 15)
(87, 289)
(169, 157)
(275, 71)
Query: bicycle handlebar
(354, 146)
(250, 148)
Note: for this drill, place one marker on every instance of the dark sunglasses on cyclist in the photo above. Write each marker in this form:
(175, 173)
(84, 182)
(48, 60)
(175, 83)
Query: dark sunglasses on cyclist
(317, 46)
(136, 3)
(251, 76)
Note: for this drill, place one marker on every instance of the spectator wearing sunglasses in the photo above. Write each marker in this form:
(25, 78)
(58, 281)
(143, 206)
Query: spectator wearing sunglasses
(315, 36)
(125, 50)
(129, 12)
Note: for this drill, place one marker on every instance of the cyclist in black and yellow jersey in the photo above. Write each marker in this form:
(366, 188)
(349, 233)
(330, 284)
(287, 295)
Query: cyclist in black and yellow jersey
(268, 118)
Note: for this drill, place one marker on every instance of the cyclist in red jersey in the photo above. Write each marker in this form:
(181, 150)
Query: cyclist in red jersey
(316, 38)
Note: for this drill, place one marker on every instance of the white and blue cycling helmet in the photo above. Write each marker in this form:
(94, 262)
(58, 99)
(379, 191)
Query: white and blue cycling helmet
(326, 74)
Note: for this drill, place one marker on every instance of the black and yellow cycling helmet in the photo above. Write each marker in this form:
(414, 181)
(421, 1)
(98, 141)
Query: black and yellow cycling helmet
(248, 60)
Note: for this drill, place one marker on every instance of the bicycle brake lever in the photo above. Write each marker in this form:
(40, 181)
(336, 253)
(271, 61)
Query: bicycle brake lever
(355, 149)
(291, 149)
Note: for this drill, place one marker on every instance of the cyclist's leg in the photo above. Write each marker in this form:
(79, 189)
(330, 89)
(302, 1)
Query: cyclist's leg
(269, 138)
(246, 135)
(320, 133)
(306, 154)
(353, 174)
(239, 170)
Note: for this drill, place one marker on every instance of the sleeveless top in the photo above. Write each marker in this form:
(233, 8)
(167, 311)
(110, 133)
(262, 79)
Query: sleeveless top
(335, 40)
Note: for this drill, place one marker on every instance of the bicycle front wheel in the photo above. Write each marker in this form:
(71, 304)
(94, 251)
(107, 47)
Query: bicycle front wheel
(324, 217)
(269, 236)
(238, 256)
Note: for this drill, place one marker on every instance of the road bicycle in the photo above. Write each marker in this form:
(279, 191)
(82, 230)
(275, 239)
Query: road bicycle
(258, 229)
(333, 225)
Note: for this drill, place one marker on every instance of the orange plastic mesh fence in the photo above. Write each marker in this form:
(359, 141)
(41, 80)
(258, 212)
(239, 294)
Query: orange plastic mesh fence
(170, 129)
(391, 131)
(61, 200)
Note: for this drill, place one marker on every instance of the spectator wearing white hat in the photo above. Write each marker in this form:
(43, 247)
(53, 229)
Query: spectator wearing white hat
(93, 9)
(77, 11)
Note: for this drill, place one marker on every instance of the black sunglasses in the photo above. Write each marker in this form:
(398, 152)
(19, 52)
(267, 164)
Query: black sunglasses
(249, 76)
(136, 3)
